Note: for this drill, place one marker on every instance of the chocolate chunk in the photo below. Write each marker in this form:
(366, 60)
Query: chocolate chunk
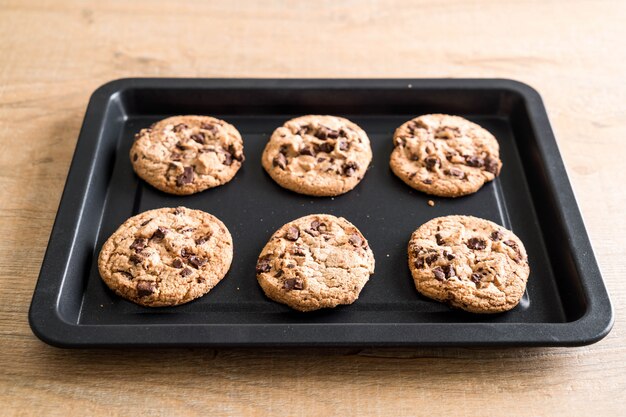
(185, 272)
(476, 278)
(202, 239)
(327, 133)
(414, 157)
(476, 243)
(343, 145)
(175, 156)
(263, 265)
(474, 161)
(177, 263)
(278, 273)
(454, 172)
(332, 134)
(146, 222)
(145, 288)
(419, 263)
(228, 159)
(186, 177)
(198, 137)
(280, 161)
(209, 126)
(440, 240)
(321, 159)
(235, 155)
(448, 270)
(431, 162)
(298, 251)
(427, 181)
(135, 259)
(197, 262)
(293, 233)
(307, 151)
(510, 243)
(355, 240)
(496, 235)
(323, 147)
(200, 280)
(138, 244)
(449, 256)
(491, 165)
(185, 253)
(439, 274)
(293, 284)
(128, 275)
(180, 127)
(349, 168)
(180, 146)
(159, 233)
(431, 258)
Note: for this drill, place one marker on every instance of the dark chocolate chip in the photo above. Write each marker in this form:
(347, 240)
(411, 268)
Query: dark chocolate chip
(419, 263)
(476, 278)
(293, 233)
(474, 161)
(200, 280)
(180, 146)
(448, 270)
(355, 240)
(187, 230)
(431, 258)
(209, 126)
(135, 259)
(307, 150)
(198, 137)
(263, 265)
(177, 263)
(427, 181)
(197, 262)
(298, 251)
(431, 162)
(186, 177)
(323, 147)
(476, 243)
(439, 274)
(138, 244)
(332, 134)
(180, 127)
(135, 156)
(145, 288)
(159, 233)
(280, 161)
(202, 239)
(315, 225)
(178, 210)
(496, 235)
(454, 172)
(146, 222)
(175, 156)
(128, 275)
(440, 240)
(293, 284)
(449, 256)
(228, 159)
(235, 155)
(491, 165)
(349, 168)
(185, 272)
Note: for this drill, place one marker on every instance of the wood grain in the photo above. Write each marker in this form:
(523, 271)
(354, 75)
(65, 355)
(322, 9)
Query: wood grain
(55, 53)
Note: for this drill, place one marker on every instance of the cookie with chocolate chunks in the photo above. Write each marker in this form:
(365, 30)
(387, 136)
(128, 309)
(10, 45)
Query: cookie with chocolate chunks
(166, 257)
(444, 155)
(187, 154)
(316, 261)
(318, 155)
(469, 263)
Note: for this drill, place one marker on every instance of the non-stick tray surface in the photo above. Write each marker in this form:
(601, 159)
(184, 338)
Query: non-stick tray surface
(565, 303)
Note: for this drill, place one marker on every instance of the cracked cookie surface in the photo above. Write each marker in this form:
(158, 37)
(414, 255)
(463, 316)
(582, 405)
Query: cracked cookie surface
(469, 263)
(316, 261)
(187, 154)
(166, 256)
(444, 155)
(318, 155)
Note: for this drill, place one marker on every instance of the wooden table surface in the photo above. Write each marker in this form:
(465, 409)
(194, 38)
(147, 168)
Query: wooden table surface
(54, 54)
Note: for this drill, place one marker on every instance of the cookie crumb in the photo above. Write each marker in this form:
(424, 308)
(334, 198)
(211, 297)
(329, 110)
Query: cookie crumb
(431, 203)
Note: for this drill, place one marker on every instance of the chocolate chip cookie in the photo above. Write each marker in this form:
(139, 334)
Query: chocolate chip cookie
(444, 155)
(187, 154)
(469, 263)
(166, 256)
(318, 155)
(316, 261)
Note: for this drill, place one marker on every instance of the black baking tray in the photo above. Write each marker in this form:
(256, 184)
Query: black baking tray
(565, 304)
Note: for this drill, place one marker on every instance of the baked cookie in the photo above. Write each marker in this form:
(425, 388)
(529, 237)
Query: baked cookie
(316, 261)
(166, 256)
(443, 155)
(187, 154)
(469, 263)
(318, 155)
